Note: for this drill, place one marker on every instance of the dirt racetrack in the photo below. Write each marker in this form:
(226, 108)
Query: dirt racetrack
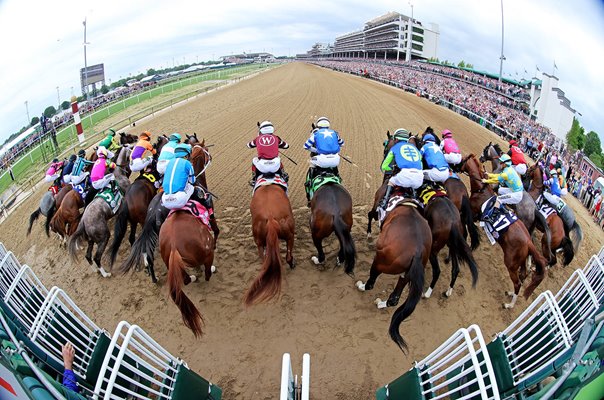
(320, 312)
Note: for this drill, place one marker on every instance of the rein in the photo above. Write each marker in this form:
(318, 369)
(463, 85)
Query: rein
(207, 162)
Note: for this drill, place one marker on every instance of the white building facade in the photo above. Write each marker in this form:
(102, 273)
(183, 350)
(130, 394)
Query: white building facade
(550, 107)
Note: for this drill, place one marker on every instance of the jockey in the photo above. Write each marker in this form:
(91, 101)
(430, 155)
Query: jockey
(553, 184)
(450, 148)
(434, 159)
(138, 161)
(511, 189)
(68, 168)
(167, 152)
(517, 157)
(77, 173)
(53, 173)
(324, 143)
(110, 143)
(267, 144)
(562, 181)
(409, 160)
(179, 180)
(99, 176)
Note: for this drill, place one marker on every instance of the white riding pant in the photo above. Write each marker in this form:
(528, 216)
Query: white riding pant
(267, 166)
(436, 175)
(110, 154)
(325, 160)
(139, 164)
(178, 199)
(508, 196)
(564, 191)
(520, 168)
(67, 178)
(453, 158)
(50, 178)
(552, 198)
(103, 182)
(77, 179)
(408, 178)
(161, 166)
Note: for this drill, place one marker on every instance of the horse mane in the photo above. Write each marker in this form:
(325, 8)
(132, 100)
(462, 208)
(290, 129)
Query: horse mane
(498, 149)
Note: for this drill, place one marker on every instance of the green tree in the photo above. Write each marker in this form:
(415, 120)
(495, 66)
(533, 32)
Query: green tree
(461, 64)
(575, 138)
(104, 89)
(598, 159)
(50, 111)
(34, 121)
(65, 105)
(470, 66)
(592, 144)
(151, 71)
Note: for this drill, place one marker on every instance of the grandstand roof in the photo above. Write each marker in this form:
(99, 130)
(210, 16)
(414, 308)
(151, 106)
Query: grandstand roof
(522, 82)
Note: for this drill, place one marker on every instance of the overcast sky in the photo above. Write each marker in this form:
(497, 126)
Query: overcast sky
(41, 42)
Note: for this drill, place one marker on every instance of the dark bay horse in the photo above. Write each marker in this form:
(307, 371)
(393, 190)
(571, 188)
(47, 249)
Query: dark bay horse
(272, 219)
(49, 204)
(331, 211)
(133, 210)
(516, 242)
(402, 249)
(559, 240)
(143, 249)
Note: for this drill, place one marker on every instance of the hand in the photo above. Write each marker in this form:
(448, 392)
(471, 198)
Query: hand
(68, 355)
(484, 181)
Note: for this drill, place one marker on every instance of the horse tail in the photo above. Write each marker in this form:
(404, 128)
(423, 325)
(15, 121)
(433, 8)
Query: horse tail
(49, 215)
(73, 240)
(567, 250)
(539, 274)
(144, 246)
(416, 286)
(119, 231)
(540, 219)
(468, 221)
(268, 283)
(460, 251)
(576, 235)
(190, 314)
(32, 218)
(346, 243)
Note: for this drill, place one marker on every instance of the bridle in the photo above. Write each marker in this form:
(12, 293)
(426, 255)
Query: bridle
(208, 160)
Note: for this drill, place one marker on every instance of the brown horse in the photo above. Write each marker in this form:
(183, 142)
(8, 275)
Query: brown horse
(331, 211)
(515, 242)
(272, 219)
(402, 249)
(559, 240)
(66, 219)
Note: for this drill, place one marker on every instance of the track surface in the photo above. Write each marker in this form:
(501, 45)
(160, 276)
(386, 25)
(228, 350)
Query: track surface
(320, 312)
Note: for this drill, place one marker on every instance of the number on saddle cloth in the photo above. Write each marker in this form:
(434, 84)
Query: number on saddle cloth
(431, 191)
(150, 177)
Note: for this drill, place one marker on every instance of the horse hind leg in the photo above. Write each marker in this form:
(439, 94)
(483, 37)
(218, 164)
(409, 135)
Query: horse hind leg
(373, 275)
(395, 296)
(99, 254)
(516, 281)
(320, 258)
(454, 274)
(289, 257)
(132, 236)
(435, 275)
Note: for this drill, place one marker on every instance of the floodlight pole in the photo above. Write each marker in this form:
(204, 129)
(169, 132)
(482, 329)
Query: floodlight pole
(409, 36)
(27, 111)
(58, 100)
(502, 56)
(85, 63)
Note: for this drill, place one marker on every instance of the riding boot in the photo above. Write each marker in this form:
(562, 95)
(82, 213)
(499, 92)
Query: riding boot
(384, 202)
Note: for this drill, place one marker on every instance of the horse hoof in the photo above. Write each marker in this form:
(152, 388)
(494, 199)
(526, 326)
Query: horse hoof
(360, 285)
(380, 304)
(212, 269)
(193, 278)
(105, 274)
(428, 293)
(508, 306)
(145, 260)
(449, 292)
(511, 294)
(338, 262)
(368, 235)
(315, 260)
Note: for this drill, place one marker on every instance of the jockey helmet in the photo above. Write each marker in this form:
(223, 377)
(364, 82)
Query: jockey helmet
(266, 128)
(505, 158)
(55, 160)
(447, 133)
(553, 172)
(175, 136)
(428, 137)
(513, 142)
(145, 135)
(401, 134)
(111, 132)
(322, 122)
(82, 153)
(182, 150)
(102, 152)
(72, 157)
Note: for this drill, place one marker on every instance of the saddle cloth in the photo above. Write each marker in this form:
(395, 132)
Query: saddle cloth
(428, 192)
(113, 198)
(197, 210)
(80, 189)
(398, 199)
(270, 179)
(495, 221)
(54, 189)
(321, 180)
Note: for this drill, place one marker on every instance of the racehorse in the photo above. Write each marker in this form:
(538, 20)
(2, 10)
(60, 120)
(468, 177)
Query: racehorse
(515, 242)
(143, 249)
(331, 211)
(272, 219)
(48, 206)
(93, 226)
(66, 219)
(559, 240)
(402, 249)
(133, 210)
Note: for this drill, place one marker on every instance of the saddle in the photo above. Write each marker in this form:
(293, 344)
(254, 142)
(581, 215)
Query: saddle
(322, 177)
(495, 220)
(430, 191)
(197, 210)
(400, 197)
(270, 179)
(112, 195)
(54, 189)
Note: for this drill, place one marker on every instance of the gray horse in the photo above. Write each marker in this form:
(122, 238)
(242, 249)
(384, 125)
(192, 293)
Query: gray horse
(94, 229)
(47, 208)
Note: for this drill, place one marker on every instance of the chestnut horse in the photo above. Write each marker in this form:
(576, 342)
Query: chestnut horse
(515, 242)
(402, 249)
(331, 211)
(66, 219)
(272, 219)
(186, 242)
(559, 240)
(49, 204)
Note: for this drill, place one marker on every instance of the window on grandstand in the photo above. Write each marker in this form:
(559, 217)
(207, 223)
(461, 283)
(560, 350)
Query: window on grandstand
(418, 30)
(418, 38)
(417, 47)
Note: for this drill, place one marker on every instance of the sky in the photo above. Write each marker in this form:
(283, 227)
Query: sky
(42, 42)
